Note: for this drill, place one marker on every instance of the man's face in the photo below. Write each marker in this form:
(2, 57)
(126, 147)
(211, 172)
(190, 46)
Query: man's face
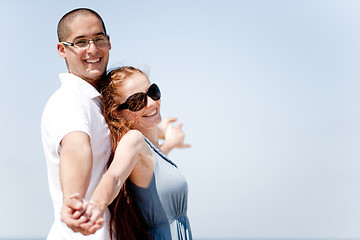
(88, 63)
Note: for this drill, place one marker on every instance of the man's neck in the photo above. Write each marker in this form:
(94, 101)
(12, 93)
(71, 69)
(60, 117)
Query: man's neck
(98, 83)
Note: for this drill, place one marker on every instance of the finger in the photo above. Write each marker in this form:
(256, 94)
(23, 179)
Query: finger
(86, 215)
(85, 227)
(83, 219)
(74, 202)
(179, 125)
(71, 223)
(94, 228)
(100, 221)
(96, 225)
(171, 119)
(77, 214)
(67, 213)
(75, 195)
(92, 225)
(185, 146)
(82, 230)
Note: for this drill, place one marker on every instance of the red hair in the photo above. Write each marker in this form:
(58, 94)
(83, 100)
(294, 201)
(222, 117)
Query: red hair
(126, 221)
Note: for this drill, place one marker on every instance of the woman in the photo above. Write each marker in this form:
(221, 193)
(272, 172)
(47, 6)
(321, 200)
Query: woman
(147, 192)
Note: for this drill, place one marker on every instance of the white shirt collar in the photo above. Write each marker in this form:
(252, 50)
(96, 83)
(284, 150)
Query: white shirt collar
(79, 85)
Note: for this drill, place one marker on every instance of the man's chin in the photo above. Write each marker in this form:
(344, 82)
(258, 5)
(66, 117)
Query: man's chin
(95, 75)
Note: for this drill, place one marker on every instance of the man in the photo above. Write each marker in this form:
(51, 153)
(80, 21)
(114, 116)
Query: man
(74, 133)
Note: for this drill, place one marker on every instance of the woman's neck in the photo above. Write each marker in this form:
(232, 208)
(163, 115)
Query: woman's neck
(152, 135)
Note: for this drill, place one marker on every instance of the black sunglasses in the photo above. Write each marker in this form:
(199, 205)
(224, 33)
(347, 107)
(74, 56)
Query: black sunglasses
(138, 101)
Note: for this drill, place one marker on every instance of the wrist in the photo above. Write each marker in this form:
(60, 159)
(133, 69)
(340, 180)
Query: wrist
(165, 148)
(100, 206)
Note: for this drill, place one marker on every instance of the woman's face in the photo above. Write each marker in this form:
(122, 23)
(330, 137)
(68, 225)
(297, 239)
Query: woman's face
(147, 117)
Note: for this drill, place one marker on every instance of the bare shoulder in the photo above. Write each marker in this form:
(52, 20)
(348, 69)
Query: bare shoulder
(133, 139)
(133, 136)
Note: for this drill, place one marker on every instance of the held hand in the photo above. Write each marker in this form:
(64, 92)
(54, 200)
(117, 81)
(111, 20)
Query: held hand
(94, 213)
(72, 211)
(80, 215)
(174, 138)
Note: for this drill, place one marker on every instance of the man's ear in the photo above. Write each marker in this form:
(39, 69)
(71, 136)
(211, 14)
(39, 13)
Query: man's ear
(109, 42)
(61, 50)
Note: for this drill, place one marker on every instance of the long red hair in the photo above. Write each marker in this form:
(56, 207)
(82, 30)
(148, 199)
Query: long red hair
(126, 222)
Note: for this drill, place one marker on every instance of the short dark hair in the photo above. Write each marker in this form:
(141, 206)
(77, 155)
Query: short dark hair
(63, 29)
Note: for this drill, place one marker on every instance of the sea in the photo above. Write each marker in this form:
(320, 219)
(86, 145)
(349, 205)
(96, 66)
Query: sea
(221, 239)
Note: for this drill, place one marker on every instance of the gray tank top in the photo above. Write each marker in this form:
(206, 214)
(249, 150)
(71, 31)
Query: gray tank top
(163, 203)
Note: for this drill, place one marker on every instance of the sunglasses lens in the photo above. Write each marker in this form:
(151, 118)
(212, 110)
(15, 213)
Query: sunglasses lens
(154, 92)
(137, 102)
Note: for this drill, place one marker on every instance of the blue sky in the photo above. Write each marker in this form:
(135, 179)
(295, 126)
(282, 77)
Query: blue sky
(268, 92)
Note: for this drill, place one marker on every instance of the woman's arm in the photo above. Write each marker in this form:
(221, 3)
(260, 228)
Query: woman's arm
(128, 153)
(126, 156)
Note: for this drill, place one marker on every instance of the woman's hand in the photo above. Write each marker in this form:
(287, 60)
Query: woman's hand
(174, 137)
(162, 127)
(80, 215)
(94, 213)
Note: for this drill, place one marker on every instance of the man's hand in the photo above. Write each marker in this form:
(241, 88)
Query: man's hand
(73, 213)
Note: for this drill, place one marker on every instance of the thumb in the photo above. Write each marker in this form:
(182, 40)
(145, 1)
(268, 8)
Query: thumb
(75, 201)
(171, 119)
(184, 146)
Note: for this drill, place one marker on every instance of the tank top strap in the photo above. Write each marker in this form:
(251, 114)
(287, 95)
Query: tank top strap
(158, 151)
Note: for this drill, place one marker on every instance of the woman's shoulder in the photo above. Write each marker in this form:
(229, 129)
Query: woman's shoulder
(133, 133)
(132, 142)
(133, 138)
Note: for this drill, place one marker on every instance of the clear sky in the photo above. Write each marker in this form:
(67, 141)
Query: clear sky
(268, 92)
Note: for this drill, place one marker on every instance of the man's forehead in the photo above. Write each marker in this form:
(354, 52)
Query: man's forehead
(80, 27)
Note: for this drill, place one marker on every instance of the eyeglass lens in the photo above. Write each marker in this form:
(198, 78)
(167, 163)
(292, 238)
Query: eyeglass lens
(83, 42)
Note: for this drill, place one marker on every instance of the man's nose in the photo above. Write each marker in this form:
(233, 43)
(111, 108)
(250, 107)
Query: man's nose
(92, 46)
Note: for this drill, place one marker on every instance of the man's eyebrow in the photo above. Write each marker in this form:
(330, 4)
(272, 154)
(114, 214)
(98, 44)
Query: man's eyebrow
(79, 37)
(97, 34)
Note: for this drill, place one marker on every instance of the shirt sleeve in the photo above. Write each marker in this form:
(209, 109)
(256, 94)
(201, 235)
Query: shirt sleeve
(65, 115)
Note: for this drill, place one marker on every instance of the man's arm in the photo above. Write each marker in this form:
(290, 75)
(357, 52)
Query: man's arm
(75, 173)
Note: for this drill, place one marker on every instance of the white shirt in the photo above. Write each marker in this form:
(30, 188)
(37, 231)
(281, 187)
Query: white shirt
(75, 106)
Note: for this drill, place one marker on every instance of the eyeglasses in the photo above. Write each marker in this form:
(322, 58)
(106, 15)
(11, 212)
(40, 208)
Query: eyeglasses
(84, 43)
(138, 101)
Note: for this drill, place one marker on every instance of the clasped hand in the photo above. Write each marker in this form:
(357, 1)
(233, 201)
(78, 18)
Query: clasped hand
(82, 216)
(87, 217)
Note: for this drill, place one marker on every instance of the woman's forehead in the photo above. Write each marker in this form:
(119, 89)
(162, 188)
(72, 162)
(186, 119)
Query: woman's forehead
(137, 82)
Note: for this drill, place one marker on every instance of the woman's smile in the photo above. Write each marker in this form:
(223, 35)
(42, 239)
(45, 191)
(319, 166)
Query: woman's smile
(151, 114)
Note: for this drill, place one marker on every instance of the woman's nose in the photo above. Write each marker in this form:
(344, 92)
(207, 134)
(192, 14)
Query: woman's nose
(150, 102)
